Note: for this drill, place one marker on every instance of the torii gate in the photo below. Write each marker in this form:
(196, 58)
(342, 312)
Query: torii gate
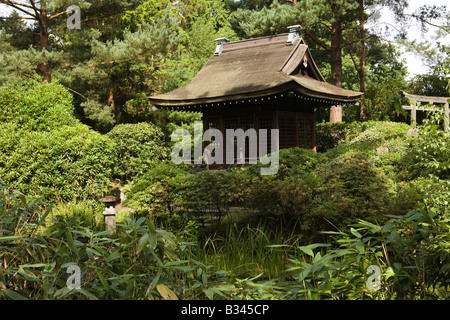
(430, 100)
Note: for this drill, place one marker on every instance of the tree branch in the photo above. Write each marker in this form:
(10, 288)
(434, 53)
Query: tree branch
(36, 11)
(17, 3)
(317, 40)
(358, 69)
(13, 5)
(446, 29)
(76, 92)
(24, 18)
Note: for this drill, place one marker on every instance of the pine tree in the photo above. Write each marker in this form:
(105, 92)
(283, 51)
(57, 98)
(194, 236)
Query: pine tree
(333, 25)
(88, 61)
(124, 51)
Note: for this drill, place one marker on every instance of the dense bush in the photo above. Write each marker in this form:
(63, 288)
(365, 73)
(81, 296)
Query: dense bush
(37, 106)
(216, 190)
(138, 146)
(352, 188)
(72, 162)
(279, 201)
(428, 153)
(328, 135)
(45, 150)
(293, 162)
(159, 188)
(373, 138)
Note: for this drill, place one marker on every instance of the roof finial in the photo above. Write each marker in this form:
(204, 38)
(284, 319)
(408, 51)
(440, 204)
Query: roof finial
(293, 33)
(219, 47)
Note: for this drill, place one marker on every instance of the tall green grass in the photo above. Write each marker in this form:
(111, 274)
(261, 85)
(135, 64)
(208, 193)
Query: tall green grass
(248, 251)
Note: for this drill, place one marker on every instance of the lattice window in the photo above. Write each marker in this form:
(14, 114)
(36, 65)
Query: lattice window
(247, 122)
(230, 123)
(306, 133)
(286, 125)
(212, 124)
(266, 123)
(243, 122)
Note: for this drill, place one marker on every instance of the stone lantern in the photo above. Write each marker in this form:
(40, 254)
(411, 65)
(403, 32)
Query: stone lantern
(110, 212)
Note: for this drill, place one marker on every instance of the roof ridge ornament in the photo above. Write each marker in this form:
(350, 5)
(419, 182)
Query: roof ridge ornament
(219, 46)
(293, 34)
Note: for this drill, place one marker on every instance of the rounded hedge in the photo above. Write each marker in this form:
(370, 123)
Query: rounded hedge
(72, 162)
(138, 146)
(37, 106)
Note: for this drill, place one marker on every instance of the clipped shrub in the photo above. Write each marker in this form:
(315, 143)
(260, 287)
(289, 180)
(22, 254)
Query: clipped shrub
(384, 143)
(218, 191)
(72, 162)
(158, 189)
(37, 106)
(278, 199)
(293, 162)
(352, 188)
(375, 131)
(138, 146)
(328, 135)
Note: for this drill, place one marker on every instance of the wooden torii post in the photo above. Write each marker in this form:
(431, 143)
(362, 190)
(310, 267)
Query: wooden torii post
(430, 100)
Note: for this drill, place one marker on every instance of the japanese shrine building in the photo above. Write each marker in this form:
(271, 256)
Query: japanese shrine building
(262, 83)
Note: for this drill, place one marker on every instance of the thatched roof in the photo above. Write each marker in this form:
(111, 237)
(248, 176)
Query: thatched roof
(254, 68)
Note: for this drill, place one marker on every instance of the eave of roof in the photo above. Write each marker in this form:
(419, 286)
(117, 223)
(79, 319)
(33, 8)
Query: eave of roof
(254, 68)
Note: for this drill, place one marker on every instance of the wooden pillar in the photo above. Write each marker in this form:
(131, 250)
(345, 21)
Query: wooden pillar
(224, 138)
(314, 134)
(446, 117)
(414, 112)
(336, 114)
(276, 126)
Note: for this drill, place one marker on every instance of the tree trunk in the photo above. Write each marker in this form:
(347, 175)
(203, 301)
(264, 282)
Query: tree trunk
(44, 68)
(362, 58)
(336, 67)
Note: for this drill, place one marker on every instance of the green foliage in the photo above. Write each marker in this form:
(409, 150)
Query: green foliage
(375, 139)
(139, 261)
(293, 162)
(353, 188)
(328, 135)
(37, 106)
(384, 142)
(157, 189)
(109, 73)
(147, 11)
(264, 20)
(280, 200)
(428, 192)
(138, 146)
(385, 77)
(428, 152)
(71, 162)
(434, 84)
(411, 252)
